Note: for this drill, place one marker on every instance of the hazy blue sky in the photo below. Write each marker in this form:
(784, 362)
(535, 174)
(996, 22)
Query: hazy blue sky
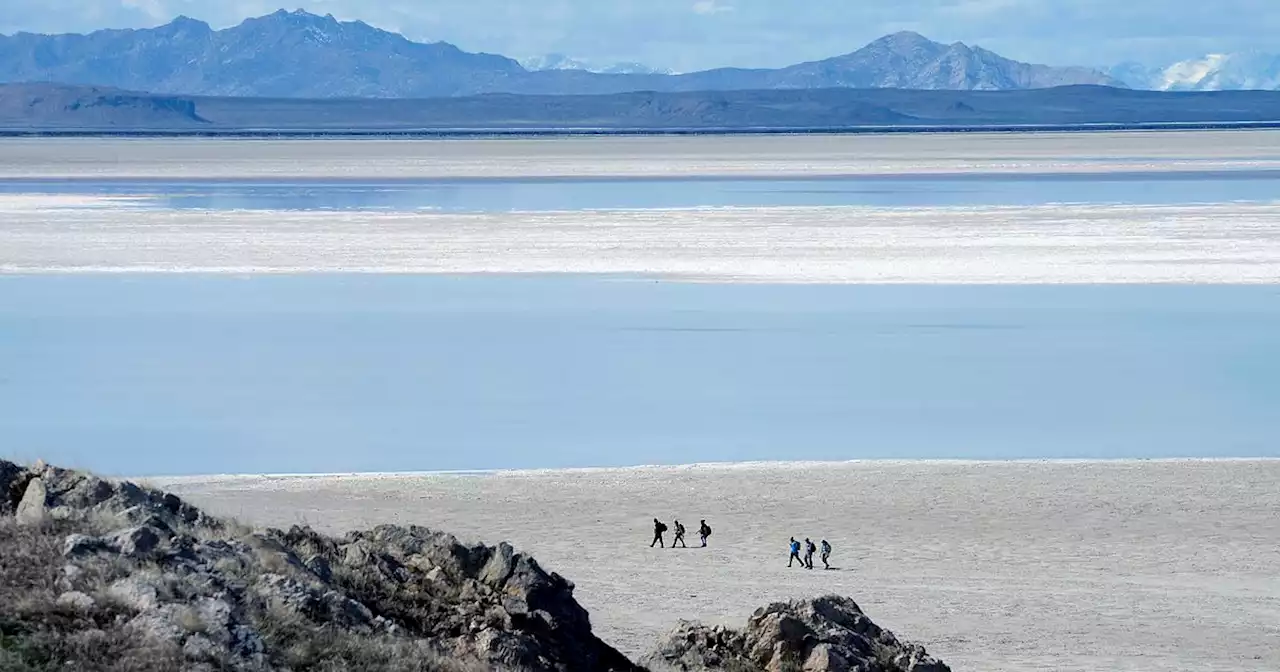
(692, 34)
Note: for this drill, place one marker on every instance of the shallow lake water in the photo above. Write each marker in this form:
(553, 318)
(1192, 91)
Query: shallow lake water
(560, 194)
(317, 373)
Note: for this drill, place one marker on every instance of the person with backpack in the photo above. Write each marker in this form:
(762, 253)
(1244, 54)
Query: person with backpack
(795, 553)
(679, 535)
(658, 530)
(809, 548)
(826, 553)
(704, 531)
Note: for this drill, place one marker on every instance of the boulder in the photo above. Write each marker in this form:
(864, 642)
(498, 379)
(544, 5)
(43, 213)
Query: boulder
(33, 509)
(76, 600)
(500, 565)
(827, 634)
(136, 542)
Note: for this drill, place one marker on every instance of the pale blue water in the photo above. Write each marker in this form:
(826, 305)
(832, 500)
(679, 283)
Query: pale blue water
(191, 374)
(968, 189)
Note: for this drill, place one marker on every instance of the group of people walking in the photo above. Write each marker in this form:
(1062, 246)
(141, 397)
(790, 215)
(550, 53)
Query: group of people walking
(660, 528)
(704, 530)
(809, 549)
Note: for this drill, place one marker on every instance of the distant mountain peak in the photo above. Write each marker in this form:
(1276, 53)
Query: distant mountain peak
(184, 20)
(906, 39)
(299, 54)
(907, 36)
(909, 60)
(297, 17)
(185, 24)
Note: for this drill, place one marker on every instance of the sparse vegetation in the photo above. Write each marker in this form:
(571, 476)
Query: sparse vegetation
(38, 632)
(111, 577)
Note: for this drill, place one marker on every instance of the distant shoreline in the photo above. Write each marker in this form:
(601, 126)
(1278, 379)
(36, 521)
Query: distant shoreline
(749, 465)
(429, 133)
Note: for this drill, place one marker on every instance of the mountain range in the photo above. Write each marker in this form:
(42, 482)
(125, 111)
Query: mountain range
(301, 55)
(1212, 72)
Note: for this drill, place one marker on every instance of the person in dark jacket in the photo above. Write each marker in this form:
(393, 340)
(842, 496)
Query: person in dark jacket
(704, 531)
(658, 529)
(679, 535)
(795, 553)
(826, 553)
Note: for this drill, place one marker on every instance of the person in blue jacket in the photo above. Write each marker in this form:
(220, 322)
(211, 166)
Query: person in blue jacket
(795, 553)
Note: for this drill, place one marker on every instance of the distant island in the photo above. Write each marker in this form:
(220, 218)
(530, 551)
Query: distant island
(63, 109)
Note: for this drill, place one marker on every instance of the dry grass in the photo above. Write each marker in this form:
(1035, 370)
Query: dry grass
(39, 635)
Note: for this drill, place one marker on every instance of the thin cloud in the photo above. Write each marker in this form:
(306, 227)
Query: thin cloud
(709, 7)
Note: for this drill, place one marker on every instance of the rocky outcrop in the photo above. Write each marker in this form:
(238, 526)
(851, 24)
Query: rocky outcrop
(108, 575)
(204, 593)
(828, 634)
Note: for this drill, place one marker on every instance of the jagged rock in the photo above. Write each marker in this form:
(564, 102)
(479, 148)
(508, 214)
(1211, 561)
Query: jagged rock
(827, 634)
(500, 566)
(32, 510)
(137, 542)
(330, 606)
(80, 545)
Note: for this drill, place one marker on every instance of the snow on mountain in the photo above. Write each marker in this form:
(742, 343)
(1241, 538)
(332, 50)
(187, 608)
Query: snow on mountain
(562, 62)
(1223, 72)
(1211, 72)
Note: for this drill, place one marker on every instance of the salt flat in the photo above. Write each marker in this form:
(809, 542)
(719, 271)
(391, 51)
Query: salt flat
(785, 155)
(1199, 240)
(996, 566)
(1213, 243)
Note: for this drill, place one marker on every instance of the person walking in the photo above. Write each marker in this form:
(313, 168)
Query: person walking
(658, 529)
(795, 553)
(679, 536)
(704, 531)
(809, 548)
(826, 553)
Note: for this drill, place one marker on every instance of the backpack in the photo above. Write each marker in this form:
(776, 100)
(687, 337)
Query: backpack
(662, 527)
(706, 529)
